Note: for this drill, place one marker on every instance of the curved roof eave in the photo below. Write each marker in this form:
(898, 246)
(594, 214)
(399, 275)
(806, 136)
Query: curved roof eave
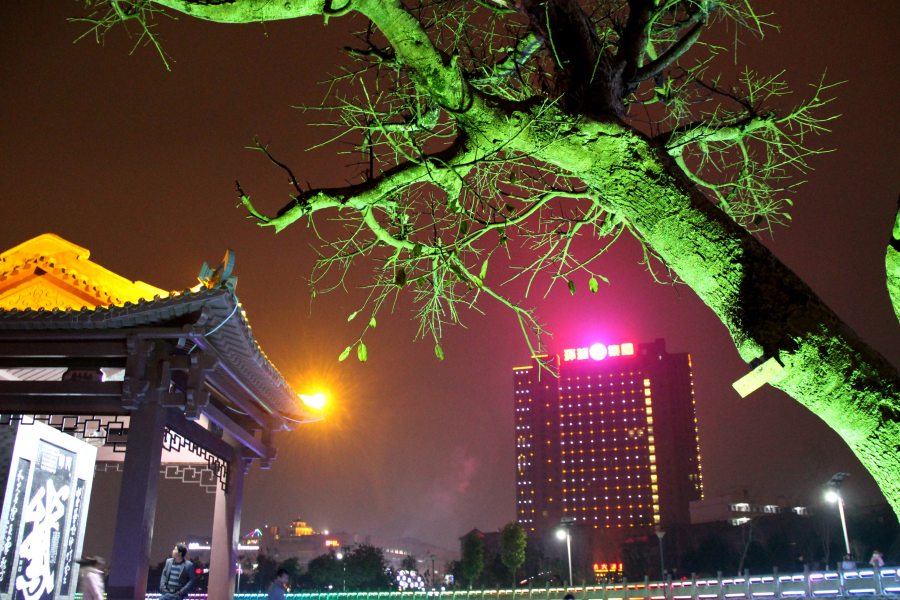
(228, 332)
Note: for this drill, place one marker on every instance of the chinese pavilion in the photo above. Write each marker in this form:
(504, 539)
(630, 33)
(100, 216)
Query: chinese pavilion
(150, 377)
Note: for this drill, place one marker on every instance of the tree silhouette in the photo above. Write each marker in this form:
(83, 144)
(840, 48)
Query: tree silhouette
(512, 547)
(472, 557)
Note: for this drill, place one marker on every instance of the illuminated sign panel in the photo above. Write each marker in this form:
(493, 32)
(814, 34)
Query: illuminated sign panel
(598, 352)
(196, 546)
(334, 543)
(45, 507)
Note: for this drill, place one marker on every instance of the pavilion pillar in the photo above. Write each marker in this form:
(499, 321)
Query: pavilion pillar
(226, 531)
(137, 503)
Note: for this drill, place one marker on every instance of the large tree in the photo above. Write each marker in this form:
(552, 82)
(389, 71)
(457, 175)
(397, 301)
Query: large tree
(490, 125)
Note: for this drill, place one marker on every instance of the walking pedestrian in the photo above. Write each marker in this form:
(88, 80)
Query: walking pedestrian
(848, 564)
(877, 559)
(178, 575)
(278, 589)
(90, 578)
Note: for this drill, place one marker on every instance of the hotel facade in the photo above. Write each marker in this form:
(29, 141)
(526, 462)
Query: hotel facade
(611, 443)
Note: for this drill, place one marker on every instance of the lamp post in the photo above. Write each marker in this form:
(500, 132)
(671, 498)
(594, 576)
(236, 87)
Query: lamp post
(662, 565)
(432, 571)
(342, 557)
(834, 495)
(566, 534)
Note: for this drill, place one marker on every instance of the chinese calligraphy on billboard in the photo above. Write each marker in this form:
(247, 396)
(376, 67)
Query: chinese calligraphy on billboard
(44, 511)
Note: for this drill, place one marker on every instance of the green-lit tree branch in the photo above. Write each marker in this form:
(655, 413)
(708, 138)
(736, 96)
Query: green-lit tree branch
(521, 127)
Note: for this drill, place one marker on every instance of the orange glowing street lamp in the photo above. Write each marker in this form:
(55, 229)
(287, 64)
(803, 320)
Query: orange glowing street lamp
(316, 401)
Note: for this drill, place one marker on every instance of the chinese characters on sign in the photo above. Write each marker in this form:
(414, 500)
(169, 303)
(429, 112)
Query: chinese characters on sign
(39, 551)
(8, 549)
(598, 352)
(42, 523)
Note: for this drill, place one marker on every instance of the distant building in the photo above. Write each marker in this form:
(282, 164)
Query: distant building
(300, 541)
(738, 508)
(490, 541)
(611, 443)
(294, 543)
(395, 550)
(298, 528)
(199, 546)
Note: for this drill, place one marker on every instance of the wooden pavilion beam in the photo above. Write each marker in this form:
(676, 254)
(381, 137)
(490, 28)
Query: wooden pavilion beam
(60, 405)
(242, 435)
(44, 362)
(49, 335)
(176, 421)
(63, 349)
(61, 388)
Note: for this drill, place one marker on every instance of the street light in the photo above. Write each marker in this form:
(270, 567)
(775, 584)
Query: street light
(316, 401)
(566, 534)
(834, 495)
(340, 556)
(662, 566)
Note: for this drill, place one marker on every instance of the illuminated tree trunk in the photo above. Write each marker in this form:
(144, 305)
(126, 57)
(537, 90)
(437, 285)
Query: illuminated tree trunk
(892, 265)
(768, 310)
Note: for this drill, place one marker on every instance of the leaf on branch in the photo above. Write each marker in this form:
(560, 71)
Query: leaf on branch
(439, 351)
(400, 278)
(350, 318)
(372, 322)
(417, 251)
(458, 272)
(362, 353)
(593, 285)
(510, 208)
(345, 353)
(572, 287)
(463, 228)
(484, 267)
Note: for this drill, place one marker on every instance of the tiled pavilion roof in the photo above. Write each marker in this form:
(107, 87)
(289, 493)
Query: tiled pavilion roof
(48, 283)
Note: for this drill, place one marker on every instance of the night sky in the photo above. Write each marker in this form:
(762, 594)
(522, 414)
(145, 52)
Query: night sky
(114, 153)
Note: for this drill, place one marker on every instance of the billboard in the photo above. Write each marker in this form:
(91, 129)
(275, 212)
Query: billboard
(48, 490)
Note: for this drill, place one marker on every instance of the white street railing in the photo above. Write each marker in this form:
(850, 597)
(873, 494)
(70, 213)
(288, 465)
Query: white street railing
(810, 584)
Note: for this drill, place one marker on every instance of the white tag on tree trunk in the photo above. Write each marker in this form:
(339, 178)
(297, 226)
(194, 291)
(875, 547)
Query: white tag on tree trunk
(754, 380)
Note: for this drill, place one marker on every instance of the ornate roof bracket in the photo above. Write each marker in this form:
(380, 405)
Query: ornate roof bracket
(148, 376)
(268, 440)
(134, 390)
(197, 396)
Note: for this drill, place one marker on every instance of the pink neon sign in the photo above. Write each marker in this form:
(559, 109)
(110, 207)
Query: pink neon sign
(598, 352)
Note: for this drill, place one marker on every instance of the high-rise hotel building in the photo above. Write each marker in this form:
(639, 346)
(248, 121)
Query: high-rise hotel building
(612, 442)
